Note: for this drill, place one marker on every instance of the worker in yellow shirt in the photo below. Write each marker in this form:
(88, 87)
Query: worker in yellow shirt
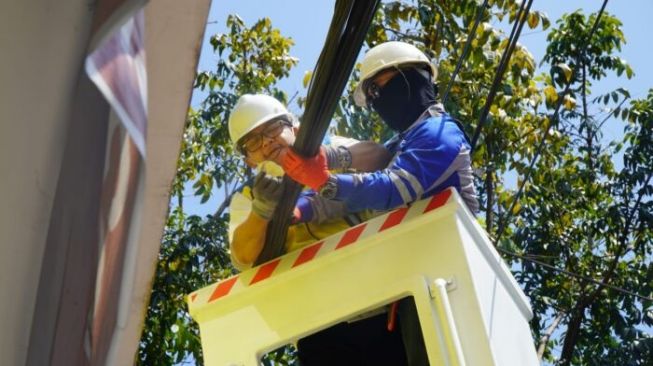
(263, 131)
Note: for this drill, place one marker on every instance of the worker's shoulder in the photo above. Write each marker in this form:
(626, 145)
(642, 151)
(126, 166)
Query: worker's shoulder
(441, 128)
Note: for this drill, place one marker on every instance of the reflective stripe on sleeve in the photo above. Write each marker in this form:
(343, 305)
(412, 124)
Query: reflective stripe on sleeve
(414, 182)
(401, 187)
(462, 166)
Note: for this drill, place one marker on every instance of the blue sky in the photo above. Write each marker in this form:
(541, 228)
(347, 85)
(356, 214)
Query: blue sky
(307, 22)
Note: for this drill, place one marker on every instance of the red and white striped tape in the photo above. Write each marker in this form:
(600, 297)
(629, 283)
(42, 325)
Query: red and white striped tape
(335, 242)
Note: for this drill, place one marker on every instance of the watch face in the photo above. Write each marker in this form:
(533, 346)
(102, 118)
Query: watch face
(329, 189)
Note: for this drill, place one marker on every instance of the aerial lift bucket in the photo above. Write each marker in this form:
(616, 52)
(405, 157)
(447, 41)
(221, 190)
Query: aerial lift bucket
(471, 310)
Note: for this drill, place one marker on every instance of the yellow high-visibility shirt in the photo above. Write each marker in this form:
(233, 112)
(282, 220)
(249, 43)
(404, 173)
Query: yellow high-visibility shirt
(299, 235)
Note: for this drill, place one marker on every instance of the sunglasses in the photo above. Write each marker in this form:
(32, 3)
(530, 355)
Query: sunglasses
(254, 140)
(373, 86)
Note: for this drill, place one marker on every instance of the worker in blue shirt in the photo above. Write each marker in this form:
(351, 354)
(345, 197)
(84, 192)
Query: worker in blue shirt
(430, 153)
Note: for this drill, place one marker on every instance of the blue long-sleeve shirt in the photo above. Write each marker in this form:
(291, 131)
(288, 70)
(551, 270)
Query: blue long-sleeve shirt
(430, 156)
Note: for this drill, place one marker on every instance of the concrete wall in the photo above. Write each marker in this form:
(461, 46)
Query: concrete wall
(42, 97)
(42, 45)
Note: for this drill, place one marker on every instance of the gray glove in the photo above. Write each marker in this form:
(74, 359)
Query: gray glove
(266, 193)
(326, 209)
(338, 157)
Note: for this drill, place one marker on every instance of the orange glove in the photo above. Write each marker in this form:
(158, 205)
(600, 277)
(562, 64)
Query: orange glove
(312, 172)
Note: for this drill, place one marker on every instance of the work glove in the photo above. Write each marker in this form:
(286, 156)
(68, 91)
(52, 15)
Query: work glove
(325, 209)
(312, 172)
(266, 193)
(338, 157)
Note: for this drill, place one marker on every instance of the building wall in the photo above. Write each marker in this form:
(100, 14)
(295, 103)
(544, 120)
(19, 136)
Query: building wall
(51, 120)
(43, 44)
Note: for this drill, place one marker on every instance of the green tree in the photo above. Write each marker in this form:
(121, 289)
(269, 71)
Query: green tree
(583, 213)
(579, 213)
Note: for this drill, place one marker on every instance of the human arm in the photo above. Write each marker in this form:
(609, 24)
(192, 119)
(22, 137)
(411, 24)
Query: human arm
(314, 172)
(312, 207)
(369, 156)
(249, 236)
(428, 159)
(364, 156)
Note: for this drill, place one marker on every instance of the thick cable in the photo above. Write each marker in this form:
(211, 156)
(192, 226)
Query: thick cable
(345, 38)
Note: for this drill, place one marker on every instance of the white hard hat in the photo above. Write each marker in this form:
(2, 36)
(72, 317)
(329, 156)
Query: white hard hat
(387, 55)
(251, 111)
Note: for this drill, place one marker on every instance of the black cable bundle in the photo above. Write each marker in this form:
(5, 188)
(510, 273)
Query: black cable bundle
(347, 32)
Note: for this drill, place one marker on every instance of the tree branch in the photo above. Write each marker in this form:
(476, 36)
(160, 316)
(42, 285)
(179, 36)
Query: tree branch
(612, 111)
(405, 35)
(227, 200)
(589, 139)
(578, 313)
(547, 335)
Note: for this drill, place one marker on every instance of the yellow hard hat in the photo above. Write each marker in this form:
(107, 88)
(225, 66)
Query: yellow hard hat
(387, 55)
(251, 111)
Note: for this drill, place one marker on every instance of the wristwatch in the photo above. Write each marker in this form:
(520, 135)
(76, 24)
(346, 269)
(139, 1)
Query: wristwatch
(330, 188)
(344, 157)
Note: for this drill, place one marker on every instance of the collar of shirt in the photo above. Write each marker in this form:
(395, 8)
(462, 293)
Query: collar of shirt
(435, 110)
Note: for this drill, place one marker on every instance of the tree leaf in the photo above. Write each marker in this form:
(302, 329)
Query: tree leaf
(550, 94)
(569, 102)
(566, 70)
(308, 75)
(533, 19)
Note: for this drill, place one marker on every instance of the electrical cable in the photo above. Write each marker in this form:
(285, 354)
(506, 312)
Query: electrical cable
(575, 275)
(522, 16)
(345, 38)
(463, 55)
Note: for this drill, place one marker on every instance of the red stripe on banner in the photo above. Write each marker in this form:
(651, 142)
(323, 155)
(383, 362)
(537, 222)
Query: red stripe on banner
(192, 297)
(265, 271)
(351, 236)
(223, 288)
(394, 218)
(438, 200)
(307, 254)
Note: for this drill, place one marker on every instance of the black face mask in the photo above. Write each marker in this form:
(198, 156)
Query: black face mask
(404, 98)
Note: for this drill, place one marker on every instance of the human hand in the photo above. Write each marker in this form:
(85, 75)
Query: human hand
(267, 193)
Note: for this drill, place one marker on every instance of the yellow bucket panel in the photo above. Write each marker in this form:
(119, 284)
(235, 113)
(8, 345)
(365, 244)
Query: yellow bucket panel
(387, 258)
